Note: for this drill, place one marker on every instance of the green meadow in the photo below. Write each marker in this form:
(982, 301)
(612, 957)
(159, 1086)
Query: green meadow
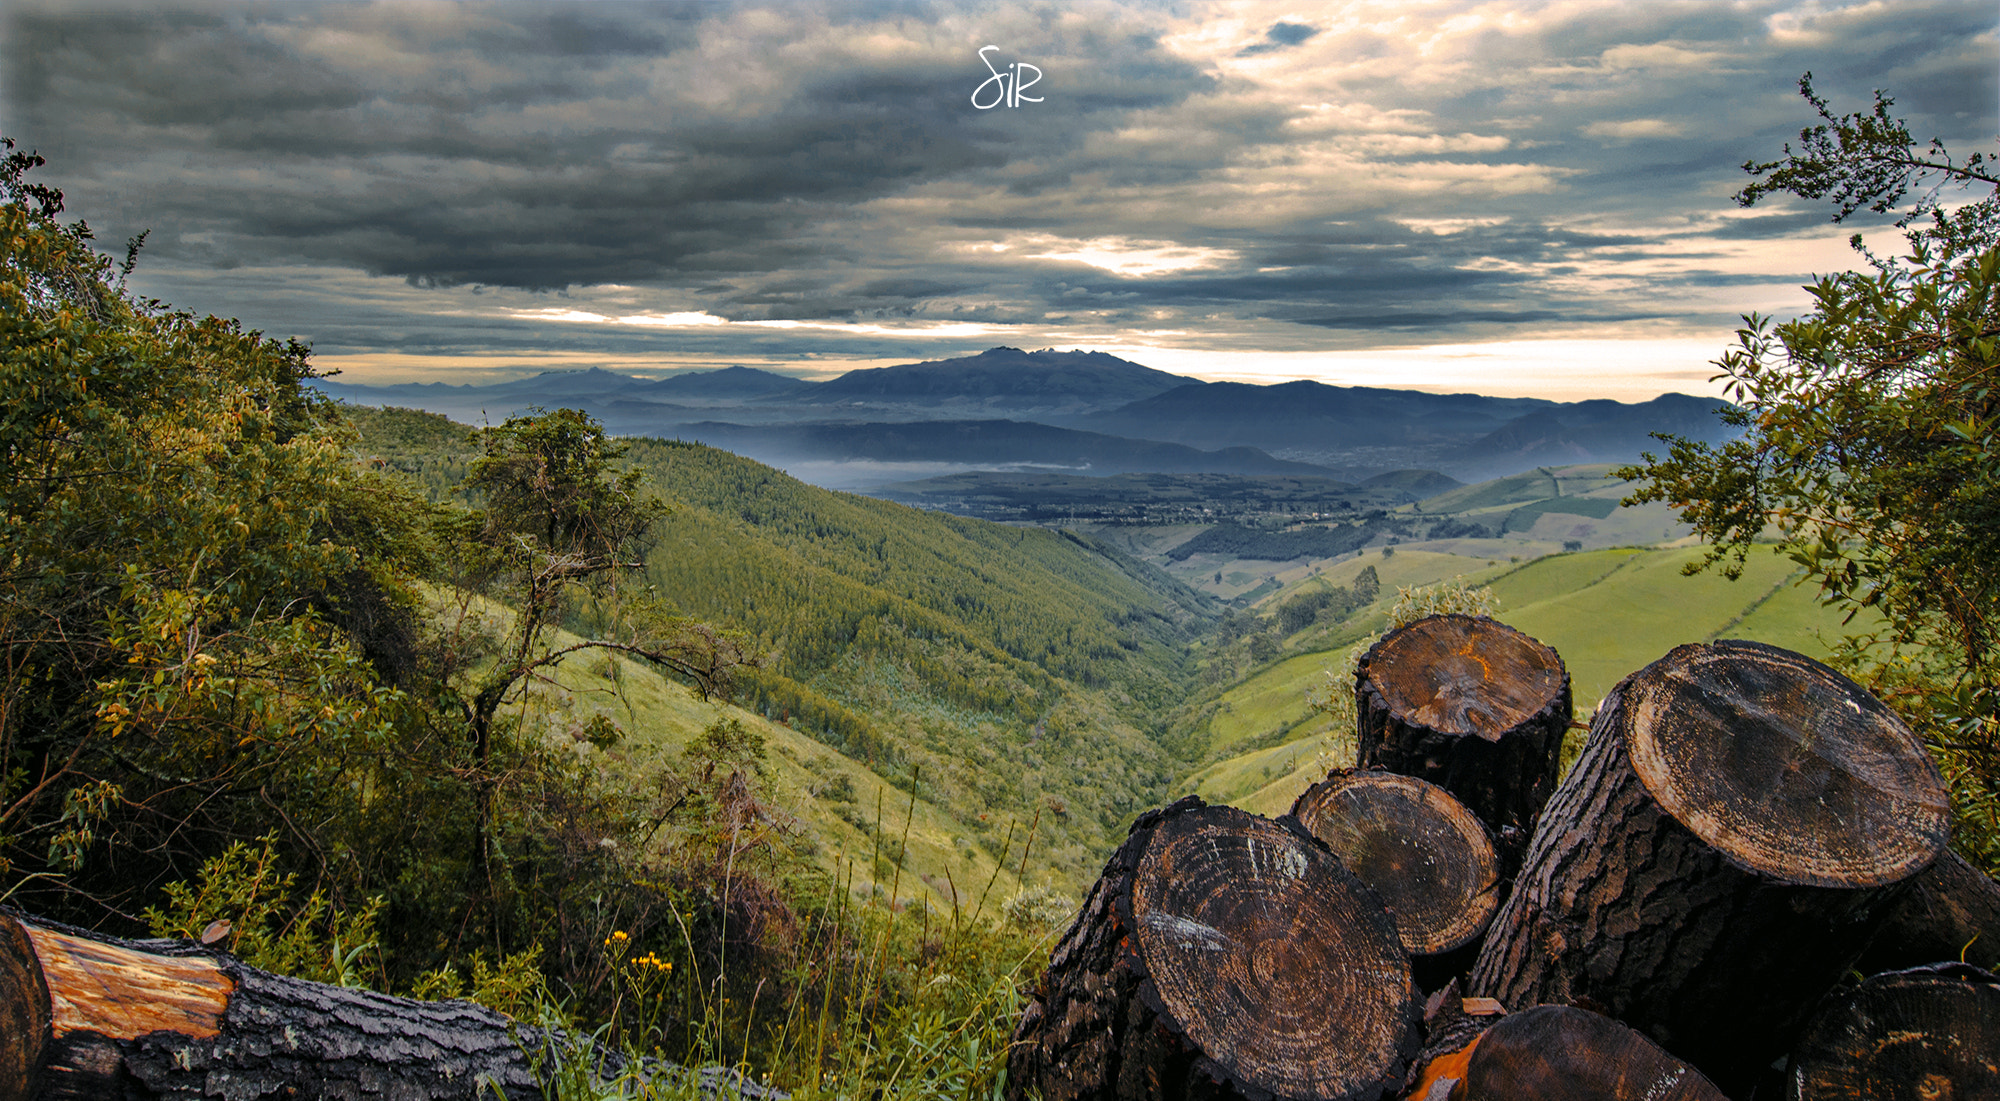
(1607, 612)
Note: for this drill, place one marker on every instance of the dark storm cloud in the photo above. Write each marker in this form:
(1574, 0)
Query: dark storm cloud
(1381, 168)
(1278, 37)
(521, 146)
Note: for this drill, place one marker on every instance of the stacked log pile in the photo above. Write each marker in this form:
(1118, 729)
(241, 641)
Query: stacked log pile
(1743, 828)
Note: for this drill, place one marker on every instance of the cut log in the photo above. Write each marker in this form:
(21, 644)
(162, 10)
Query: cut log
(1220, 955)
(1918, 1035)
(1470, 705)
(1952, 912)
(1452, 1027)
(87, 1016)
(1561, 1053)
(24, 1012)
(1429, 857)
(1740, 822)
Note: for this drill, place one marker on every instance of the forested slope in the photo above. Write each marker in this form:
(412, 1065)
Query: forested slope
(1005, 671)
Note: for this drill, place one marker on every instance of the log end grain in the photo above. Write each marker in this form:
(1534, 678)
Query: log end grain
(1556, 1053)
(1275, 962)
(1925, 1034)
(1464, 675)
(1784, 766)
(1424, 852)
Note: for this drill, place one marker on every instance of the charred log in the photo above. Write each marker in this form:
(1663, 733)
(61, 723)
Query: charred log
(1915, 1035)
(92, 1017)
(1561, 1053)
(1952, 912)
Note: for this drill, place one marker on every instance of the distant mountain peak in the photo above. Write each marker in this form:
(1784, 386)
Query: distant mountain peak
(1074, 380)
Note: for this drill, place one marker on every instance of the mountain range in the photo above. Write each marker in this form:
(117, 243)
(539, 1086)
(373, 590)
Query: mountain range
(1078, 413)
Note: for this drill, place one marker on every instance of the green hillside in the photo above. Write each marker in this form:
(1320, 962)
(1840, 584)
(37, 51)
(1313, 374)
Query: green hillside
(834, 812)
(1015, 673)
(1608, 613)
(1004, 672)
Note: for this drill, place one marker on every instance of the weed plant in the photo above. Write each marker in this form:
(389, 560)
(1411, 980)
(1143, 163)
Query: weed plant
(743, 962)
(858, 995)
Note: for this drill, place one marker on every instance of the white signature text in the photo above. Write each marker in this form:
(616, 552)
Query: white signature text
(1006, 85)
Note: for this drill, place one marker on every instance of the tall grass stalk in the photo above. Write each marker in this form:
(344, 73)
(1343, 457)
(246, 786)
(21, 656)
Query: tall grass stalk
(874, 999)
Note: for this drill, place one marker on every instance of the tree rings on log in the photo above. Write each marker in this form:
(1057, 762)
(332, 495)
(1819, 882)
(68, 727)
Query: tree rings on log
(1474, 707)
(1559, 1053)
(1924, 1034)
(1429, 857)
(1785, 766)
(1740, 822)
(1221, 955)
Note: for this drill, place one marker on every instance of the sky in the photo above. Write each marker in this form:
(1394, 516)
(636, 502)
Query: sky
(1506, 198)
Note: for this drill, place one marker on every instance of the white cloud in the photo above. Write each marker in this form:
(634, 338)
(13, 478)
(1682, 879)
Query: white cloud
(1117, 255)
(1634, 129)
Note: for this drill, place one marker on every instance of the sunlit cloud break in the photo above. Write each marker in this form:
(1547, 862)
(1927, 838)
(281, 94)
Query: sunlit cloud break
(1118, 255)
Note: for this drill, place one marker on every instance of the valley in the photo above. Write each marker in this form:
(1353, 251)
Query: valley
(1080, 648)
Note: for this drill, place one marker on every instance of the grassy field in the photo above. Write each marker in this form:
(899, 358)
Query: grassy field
(1610, 613)
(1607, 612)
(827, 807)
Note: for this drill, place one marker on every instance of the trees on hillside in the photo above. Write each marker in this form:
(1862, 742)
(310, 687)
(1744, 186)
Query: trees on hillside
(1869, 443)
(561, 527)
(196, 582)
(218, 630)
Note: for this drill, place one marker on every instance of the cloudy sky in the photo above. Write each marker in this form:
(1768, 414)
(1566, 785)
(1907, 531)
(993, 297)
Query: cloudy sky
(1512, 198)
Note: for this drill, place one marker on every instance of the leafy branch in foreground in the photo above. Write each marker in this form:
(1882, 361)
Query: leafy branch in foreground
(1868, 160)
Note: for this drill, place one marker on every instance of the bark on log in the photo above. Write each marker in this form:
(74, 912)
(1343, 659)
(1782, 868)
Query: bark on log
(1952, 912)
(91, 1017)
(1470, 705)
(1739, 824)
(1561, 1053)
(1220, 955)
(1453, 1025)
(1424, 852)
(1925, 1034)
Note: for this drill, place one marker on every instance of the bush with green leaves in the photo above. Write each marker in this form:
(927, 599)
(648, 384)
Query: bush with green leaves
(267, 924)
(206, 601)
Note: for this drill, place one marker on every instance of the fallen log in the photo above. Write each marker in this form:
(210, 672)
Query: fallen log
(1561, 1053)
(1220, 955)
(1470, 705)
(1915, 1035)
(1429, 857)
(1740, 822)
(1951, 912)
(87, 1016)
